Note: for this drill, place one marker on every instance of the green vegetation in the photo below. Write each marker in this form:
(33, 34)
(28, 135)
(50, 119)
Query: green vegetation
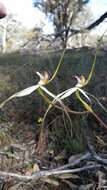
(21, 71)
(63, 132)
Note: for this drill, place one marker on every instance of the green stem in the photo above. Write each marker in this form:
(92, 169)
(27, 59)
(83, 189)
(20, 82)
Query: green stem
(92, 69)
(87, 107)
(57, 68)
(45, 97)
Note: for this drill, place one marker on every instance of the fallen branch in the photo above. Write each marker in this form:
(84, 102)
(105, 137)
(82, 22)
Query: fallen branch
(92, 150)
(76, 161)
(36, 176)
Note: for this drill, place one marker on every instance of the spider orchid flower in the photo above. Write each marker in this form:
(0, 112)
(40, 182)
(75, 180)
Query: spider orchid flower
(27, 91)
(44, 78)
(81, 81)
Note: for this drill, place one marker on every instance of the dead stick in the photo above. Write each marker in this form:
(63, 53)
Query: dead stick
(36, 176)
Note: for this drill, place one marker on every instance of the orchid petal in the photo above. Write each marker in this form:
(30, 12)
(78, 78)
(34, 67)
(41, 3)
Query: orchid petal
(56, 98)
(68, 93)
(24, 92)
(48, 92)
(40, 75)
(84, 93)
(62, 93)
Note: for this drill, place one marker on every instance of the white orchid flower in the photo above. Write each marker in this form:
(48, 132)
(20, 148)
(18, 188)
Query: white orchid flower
(27, 91)
(80, 83)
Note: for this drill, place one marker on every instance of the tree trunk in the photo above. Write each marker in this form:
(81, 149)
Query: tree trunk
(4, 44)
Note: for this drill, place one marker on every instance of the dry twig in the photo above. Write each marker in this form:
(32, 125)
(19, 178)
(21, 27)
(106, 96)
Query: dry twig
(36, 176)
